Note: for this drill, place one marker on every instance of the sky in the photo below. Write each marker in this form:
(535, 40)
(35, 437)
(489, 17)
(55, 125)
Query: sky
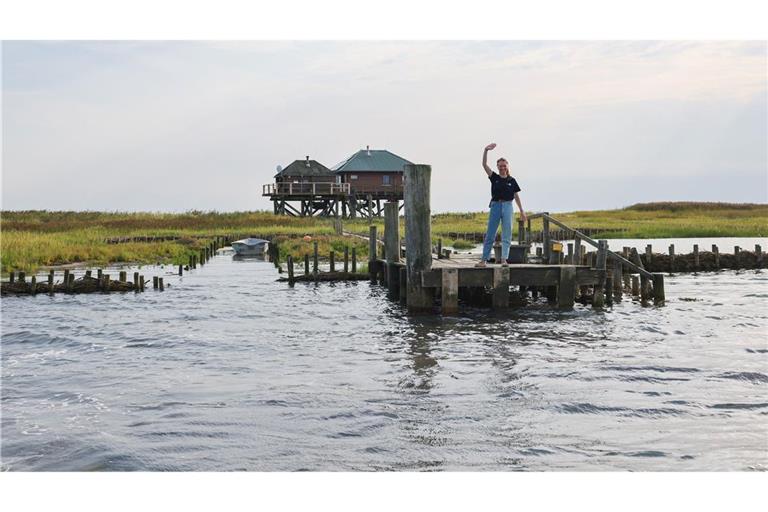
(177, 126)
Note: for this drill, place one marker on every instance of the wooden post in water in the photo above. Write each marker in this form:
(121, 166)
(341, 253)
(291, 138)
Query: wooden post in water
(569, 259)
(716, 253)
(33, 285)
(672, 257)
(160, 284)
(392, 246)
(759, 255)
(154, 282)
(566, 289)
(99, 273)
(577, 251)
(500, 287)
(141, 283)
(346, 258)
(736, 251)
(50, 282)
(658, 289)
(450, 290)
(696, 257)
(136, 286)
(12, 277)
(372, 253)
(314, 257)
(546, 239)
(123, 276)
(354, 260)
(635, 286)
(598, 299)
(403, 271)
(290, 269)
(418, 237)
(332, 261)
(105, 280)
(648, 255)
(617, 280)
(181, 270)
(306, 264)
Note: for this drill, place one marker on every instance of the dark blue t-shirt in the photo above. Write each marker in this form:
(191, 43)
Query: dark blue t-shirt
(503, 189)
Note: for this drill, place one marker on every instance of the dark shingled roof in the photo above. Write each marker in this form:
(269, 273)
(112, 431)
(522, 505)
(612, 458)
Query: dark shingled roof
(299, 168)
(377, 160)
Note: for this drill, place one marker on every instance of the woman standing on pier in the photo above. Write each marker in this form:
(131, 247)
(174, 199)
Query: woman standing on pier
(504, 189)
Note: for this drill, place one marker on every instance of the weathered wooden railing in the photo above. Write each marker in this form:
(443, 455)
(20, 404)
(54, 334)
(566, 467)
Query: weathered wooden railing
(603, 253)
(321, 188)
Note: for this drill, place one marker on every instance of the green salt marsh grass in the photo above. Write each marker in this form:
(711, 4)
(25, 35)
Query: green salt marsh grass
(33, 239)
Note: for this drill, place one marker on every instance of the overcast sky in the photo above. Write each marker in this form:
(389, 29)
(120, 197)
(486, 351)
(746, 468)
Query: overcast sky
(175, 126)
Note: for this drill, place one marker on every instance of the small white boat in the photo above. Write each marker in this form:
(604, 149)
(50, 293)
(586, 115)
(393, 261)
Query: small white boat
(250, 247)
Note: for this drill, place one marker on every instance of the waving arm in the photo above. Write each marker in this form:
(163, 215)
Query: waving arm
(488, 148)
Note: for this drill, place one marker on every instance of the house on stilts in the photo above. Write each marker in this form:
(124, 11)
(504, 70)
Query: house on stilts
(357, 186)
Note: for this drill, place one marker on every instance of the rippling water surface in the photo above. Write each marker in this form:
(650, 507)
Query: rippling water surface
(229, 370)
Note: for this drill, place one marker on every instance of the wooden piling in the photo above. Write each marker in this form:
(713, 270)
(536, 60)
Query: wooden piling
(314, 257)
(758, 255)
(354, 260)
(672, 257)
(136, 285)
(439, 248)
(33, 285)
(716, 253)
(99, 273)
(545, 236)
(658, 289)
(181, 270)
(648, 255)
(418, 237)
(500, 288)
(696, 264)
(566, 289)
(105, 282)
(598, 298)
(736, 251)
(160, 284)
(609, 293)
(346, 258)
(289, 263)
(372, 253)
(155, 282)
(141, 283)
(450, 291)
(577, 258)
(50, 282)
(403, 285)
(12, 277)
(392, 232)
(635, 286)
(569, 258)
(520, 231)
(332, 261)
(306, 264)
(123, 276)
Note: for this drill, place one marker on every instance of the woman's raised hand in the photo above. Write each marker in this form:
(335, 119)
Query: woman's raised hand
(490, 146)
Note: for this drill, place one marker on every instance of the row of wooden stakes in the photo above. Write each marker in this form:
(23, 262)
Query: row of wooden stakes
(18, 284)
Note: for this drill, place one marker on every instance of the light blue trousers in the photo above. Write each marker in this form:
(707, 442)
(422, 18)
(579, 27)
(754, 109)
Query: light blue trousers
(500, 212)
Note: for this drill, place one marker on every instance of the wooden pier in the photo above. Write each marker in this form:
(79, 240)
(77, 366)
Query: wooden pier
(424, 277)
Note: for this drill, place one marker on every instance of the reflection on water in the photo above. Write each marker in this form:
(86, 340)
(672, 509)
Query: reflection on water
(229, 370)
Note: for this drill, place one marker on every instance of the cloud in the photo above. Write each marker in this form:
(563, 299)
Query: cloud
(177, 125)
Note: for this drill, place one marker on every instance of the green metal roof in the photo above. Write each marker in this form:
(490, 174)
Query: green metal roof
(375, 160)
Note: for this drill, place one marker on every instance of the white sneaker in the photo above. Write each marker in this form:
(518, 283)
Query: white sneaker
(481, 264)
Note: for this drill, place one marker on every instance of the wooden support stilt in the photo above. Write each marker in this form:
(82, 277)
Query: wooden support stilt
(306, 264)
(500, 288)
(141, 283)
(566, 289)
(696, 264)
(418, 237)
(648, 255)
(736, 252)
(314, 257)
(332, 261)
(658, 289)
(672, 257)
(346, 258)
(372, 251)
(403, 285)
(546, 238)
(759, 255)
(50, 282)
(289, 263)
(160, 284)
(450, 291)
(635, 286)
(123, 276)
(12, 277)
(181, 270)
(598, 298)
(136, 285)
(155, 282)
(716, 253)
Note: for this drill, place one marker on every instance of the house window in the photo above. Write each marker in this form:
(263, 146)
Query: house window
(386, 179)
(353, 176)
